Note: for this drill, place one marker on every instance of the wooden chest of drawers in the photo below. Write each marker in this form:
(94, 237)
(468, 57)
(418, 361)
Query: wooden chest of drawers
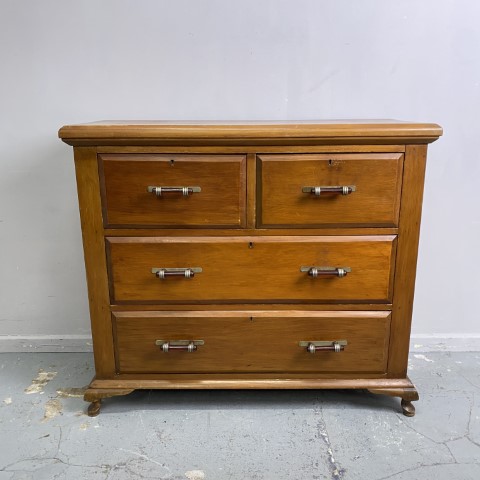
(250, 255)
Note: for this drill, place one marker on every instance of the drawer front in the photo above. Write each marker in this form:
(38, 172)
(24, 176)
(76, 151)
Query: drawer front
(250, 342)
(219, 203)
(251, 269)
(374, 202)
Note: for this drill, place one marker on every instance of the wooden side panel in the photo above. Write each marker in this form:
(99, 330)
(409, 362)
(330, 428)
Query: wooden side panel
(251, 269)
(88, 187)
(407, 250)
(236, 343)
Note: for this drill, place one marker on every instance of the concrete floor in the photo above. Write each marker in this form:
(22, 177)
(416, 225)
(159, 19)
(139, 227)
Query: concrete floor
(248, 435)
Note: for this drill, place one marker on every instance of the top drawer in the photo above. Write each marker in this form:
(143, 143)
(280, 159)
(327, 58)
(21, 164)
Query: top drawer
(285, 199)
(127, 202)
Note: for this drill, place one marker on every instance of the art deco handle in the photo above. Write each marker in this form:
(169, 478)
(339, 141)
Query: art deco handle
(334, 189)
(313, 347)
(185, 191)
(183, 345)
(164, 273)
(326, 271)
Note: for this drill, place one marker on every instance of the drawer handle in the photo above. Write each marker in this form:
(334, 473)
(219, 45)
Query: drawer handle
(313, 347)
(334, 189)
(163, 273)
(185, 191)
(326, 271)
(183, 345)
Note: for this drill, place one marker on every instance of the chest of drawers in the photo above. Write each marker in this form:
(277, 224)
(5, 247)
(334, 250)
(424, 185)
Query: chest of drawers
(250, 255)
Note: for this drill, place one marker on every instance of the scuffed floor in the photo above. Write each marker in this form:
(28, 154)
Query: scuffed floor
(247, 435)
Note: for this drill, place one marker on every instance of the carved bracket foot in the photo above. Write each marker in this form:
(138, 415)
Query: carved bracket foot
(94, 408)
(96, 395)
(407, 408)
(407, 394)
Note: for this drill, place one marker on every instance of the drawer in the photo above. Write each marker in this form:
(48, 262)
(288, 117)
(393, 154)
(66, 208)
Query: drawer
(250, 341)
(285, 200)
(219, 203)
(251, 269)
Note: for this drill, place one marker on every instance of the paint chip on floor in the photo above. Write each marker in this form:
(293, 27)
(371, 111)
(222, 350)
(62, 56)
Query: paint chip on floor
(8, 401)
(423, 357)
(40, 381)
(195, 475)
(74, 392)
(52, 408)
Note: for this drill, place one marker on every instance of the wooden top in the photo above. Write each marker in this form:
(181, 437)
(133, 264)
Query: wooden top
(242, 132)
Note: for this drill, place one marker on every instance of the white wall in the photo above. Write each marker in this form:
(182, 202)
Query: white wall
(74, 61)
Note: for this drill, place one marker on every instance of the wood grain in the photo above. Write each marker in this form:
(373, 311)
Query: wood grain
(285, 307)
(205, 232)
(251, 304)
(255, 149)
(252, 343)
(251, 191)
(145, 132)
(251, 269)
(88, 187)
(220, 203)
(406, 263)
(375, 203)
(291, 313)
(250, 381)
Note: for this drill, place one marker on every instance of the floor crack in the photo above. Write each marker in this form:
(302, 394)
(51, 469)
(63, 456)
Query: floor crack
(415, 468)
(336, 471)
(417, 432)
(468, 381)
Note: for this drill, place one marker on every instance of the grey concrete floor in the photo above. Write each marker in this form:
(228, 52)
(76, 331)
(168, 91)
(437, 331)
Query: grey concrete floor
(271, 435)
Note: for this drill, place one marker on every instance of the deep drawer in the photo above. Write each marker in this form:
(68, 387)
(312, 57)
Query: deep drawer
(251, 269)
(251, 341)
(220, 201)
(286, 200)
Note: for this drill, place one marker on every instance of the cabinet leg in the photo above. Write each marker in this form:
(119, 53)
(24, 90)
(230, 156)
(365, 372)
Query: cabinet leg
(407, 394)
(96, 395)
(407, 408)
(94, 408)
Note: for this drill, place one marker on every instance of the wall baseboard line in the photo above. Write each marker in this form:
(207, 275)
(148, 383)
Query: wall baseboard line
(45, 343)
(445, 342)
(419, 343)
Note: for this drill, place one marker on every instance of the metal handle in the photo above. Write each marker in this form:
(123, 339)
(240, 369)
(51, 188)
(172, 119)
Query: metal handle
(185, 191)
(330, 189)
(328, 346)
(183, 345)
(163, 273)
(326, 271)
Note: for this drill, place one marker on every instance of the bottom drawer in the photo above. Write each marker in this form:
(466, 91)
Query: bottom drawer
(250, 341)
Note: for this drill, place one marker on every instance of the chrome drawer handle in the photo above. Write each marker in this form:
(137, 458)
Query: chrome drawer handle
(313, 347)
(163, 273)
(183, 345)
(334, 189)
(326, 271)
(185, 191)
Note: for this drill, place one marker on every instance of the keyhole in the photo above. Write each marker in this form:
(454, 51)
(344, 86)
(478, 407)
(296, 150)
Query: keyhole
(250, 244)
(330, 162)
(172, 162)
